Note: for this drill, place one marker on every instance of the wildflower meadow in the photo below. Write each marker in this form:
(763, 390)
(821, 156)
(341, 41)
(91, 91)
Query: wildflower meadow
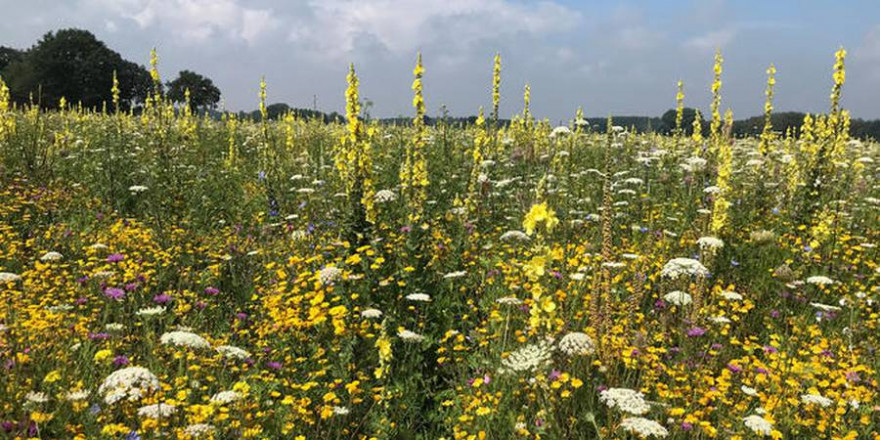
(166, 274)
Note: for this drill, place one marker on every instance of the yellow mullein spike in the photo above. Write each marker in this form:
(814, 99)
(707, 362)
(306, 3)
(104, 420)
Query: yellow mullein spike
(679, 108)
(715, 124)
(496, 87)
(767, 133)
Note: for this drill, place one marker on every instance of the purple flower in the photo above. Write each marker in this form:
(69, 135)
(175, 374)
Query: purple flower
(211, 290)
(115, 258)
(853, 376)
(554, 375)
(696, 332)
(734, 368)
(201, 305)
(131, 287)
(770, 349)
(760, 370)
(685, 426)
(774, 314)
(162, 299)
(241, 315)
(99, 336)
(120, 361)
(81, 300)
(487, 379)
(114, 293)
(133, 435)
(83, 279)
(274, 365)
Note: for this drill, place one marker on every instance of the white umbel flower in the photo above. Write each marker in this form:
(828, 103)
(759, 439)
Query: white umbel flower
(678, 267)
(509, 301)
(233, 352)
(184, 339)
(577, 344)
(419, 297)
(758, 425)
(825, 307)
(226, 397)
(527, 358)
(76, 396)
(150, 311)
(711, 244)
(731, 296)
(626, 400)
(128, 383)
(329, 275)
(816, 399)
(51, 256)
(749, 391)
(820, 280)
(456, 274)
(371, 313)
(137, 188)
(410, 336)
(157, 411)
(643, 428)
(560, 131)
(199, 430)
(384, 196)
(514, 236)
(36, 397)
(7, 277)
(678, 298)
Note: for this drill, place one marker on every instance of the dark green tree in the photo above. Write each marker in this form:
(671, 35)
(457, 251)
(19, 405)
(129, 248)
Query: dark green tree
(687, 121)
(203, 94)
(73, 64)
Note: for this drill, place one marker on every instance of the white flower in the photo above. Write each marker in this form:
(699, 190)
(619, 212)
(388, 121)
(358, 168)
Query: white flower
(749, 391)
(613, 264)
(99, 246)
(514, 235)
(226, 397)
(131, 383)
(329, 275)
(157, 411)
(232, 352)
(184, 339)
(457, 274)
(76, 396)
(560, 131)
(371, 313)
(36, 397)
(825, 307)
(527, 358)
(816, 399)
(626, 400)
(137, 188)
(577, 276)
(419, 297)
(150, 311)
(758, 425)
(577, 344)
(340, 410)
(410, 336)
(643, 428)
(51, 256)
(385, 195)
(719, 319)
(199, 430)
(6, 277)
(678, 267)
(630, 256)
(509, 301)
(820, 280)
(711, 244)
(678, 298)
(114, 327)
(731, 296)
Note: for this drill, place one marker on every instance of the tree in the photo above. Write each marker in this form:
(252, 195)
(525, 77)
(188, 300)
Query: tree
(73, 64)
(9, 55)
(687, 121)
(202, 91)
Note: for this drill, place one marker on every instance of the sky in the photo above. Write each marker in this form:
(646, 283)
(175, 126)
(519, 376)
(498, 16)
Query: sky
(609, 57)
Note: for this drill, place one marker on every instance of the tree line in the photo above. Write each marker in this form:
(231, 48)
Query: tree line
(75, 65)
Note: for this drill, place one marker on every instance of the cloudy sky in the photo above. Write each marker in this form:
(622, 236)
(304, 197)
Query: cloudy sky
(621, 57)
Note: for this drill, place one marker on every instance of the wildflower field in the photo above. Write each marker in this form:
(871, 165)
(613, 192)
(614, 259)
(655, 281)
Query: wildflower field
(167, 275)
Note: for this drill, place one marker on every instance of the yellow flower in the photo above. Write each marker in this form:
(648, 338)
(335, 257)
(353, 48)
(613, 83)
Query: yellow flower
(538, 214)
(53, 376)
(103, 354)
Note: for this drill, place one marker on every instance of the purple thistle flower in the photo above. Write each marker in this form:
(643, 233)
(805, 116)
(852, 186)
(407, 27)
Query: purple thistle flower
(114, 293)
(115, 258)
(696, 332)
(274, 365)
(162, 299)
(734, 368)
(120, 361)
(211, 290)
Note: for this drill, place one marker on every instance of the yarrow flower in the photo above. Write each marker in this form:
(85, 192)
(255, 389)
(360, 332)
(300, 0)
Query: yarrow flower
(514, 236)
(820, 280)
(51, 256)
(643, 428)
(825, 307)
(758, 425)
(157, 411)
(816, 399)
(577, 344)
(199, 430)
(128, 383)
(711, 244)
(509, 301)
(184, 339)
(384, 196)
(150, 311)
(371, 313)
(678, 298)
(7, 277)
(626, 400)
(329, 275)
(409, 336)
(137, 188)
(224, 397)
(419, 297)
(527, 358)
(457, 274)
(731, 296)
(678, 267)
(232, 352)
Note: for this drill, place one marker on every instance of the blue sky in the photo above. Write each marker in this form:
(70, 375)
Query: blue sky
(608, 56)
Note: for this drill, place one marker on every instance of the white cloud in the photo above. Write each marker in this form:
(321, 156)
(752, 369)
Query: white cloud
(195, 20)
(336, 27)
(711, 40)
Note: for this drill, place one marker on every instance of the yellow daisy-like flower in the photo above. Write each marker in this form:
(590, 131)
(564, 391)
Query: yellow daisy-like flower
(538, 214)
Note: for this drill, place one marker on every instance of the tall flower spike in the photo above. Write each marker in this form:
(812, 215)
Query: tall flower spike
(496, 87)
(115, 91)
(679, 108)
(715, 125)
(767, 133)
(414, 174)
